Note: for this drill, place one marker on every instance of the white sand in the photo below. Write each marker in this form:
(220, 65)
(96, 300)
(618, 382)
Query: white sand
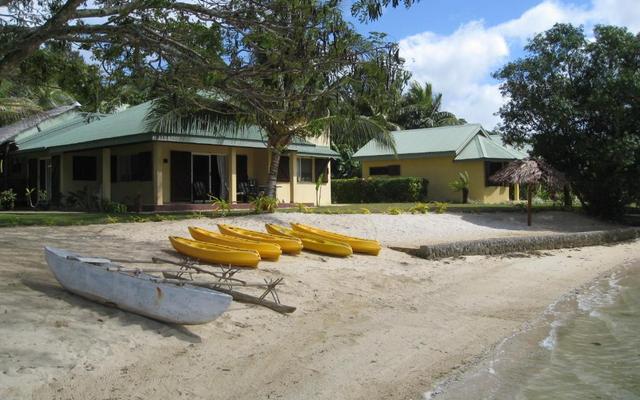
(366, 327)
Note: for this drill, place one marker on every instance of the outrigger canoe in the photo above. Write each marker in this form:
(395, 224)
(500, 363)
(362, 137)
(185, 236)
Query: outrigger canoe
(100, 280)
(215, 254)
(267, 251)
(313, 242)
(366, 246)
(288, 245)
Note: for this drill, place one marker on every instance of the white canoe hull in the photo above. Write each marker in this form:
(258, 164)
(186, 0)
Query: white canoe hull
(140, 293)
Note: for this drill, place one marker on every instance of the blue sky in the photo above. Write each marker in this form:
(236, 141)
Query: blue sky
(457, 44)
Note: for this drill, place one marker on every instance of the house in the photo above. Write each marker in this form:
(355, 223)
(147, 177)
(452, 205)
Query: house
(439, 154)
(118, 158)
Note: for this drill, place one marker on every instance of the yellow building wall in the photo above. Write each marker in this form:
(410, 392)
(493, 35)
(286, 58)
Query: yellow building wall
(127, 192)
(440, 171)
(257, 166)
(70, 185)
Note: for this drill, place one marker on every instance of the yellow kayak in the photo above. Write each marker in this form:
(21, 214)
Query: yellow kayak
(313, 242)
(358, 245)
(288, 245)
(215, 254)
(267, 251)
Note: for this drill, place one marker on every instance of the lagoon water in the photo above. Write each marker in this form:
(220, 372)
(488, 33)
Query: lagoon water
(586, 347)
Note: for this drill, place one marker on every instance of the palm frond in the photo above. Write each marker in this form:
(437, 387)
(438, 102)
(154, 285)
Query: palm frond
(207, 117)
(358, 130)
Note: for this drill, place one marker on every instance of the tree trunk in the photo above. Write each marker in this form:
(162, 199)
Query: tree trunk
(273, 171)
(529, 195)
(465, 196)
(568, 201)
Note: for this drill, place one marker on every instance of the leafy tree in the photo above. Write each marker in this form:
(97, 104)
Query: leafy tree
(420, 108)
(139, 23)
(295, 77)
(575, 101)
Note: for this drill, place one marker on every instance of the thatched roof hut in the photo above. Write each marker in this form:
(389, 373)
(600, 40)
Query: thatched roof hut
(530, 171)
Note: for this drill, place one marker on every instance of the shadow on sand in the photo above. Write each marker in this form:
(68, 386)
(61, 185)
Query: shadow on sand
(552, 221)
(124, 317)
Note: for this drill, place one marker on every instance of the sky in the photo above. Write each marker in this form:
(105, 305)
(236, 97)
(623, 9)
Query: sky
(457, 44)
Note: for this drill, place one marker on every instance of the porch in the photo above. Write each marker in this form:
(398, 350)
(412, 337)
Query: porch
(169, 176)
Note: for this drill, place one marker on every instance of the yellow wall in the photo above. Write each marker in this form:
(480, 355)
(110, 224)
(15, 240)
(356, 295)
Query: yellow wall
(127, 192)
(257, 165)
(442, 170)
(69, 185)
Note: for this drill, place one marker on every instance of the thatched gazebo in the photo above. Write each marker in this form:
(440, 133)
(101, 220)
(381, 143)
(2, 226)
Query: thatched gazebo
(530, 171)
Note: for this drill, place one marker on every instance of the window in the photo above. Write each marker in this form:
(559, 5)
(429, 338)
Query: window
(390, 170)
(305, 170)
(321, 167)
(490, 168)
(131, 167)
(283, 170)
(85, 168)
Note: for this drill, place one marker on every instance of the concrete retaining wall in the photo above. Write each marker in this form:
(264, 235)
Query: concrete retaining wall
(524, 243)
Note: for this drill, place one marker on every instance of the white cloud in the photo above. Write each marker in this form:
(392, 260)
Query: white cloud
(460, 65)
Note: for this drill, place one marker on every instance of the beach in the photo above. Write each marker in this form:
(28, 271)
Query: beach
(386, 327)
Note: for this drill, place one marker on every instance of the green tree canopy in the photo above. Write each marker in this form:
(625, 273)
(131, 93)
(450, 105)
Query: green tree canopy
(576, 102)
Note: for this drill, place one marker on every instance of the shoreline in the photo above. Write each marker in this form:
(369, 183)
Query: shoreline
(402, 322)
(534, 337)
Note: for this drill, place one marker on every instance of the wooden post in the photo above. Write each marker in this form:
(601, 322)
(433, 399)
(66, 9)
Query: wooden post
(106, 174)
(529, 195)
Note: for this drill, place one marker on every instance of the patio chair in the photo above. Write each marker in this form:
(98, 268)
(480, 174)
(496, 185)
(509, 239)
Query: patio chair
(200, 192)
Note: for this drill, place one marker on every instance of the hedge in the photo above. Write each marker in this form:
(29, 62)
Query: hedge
(379, 190)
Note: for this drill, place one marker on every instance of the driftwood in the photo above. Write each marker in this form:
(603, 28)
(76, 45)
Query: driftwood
(237, 296)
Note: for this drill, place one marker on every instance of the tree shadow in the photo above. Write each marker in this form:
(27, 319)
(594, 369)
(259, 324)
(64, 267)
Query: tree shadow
(551, 221)
(124, 317)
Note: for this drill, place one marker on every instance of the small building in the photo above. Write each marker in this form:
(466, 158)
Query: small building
(118, 158)
(439, 154)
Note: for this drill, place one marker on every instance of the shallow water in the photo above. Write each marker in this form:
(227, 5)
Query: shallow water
(586, 347)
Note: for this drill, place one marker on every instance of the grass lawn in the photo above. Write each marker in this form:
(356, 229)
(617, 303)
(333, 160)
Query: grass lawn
(395, 208)
(8, 219)
(52, 218)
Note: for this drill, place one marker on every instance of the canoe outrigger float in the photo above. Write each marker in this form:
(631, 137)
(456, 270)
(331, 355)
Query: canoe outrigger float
(287, 244)
(358, 245)
(215, 254)
(101, 280)
(313, 242)
(267, 251)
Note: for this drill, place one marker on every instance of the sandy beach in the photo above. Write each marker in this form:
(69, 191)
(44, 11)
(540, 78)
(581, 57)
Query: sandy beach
(386, 327)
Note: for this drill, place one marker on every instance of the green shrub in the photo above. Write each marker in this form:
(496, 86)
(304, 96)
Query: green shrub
(220, 206)
(394, 211)
(265, 204)
(420, 208)
(440, 207)
(8, 199)
(365, 210)
(302, 208)
(112, 207)
(379, 190)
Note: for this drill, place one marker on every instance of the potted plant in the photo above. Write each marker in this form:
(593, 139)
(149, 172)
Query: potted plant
(461, 185)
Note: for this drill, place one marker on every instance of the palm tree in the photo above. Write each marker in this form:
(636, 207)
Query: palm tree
(18, 102)
(420, 108)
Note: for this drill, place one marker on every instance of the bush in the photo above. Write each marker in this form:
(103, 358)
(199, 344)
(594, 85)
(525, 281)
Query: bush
(376, 190)
(394, 211)
(112, 207)
(220, 206)
(265, 204)
(420, 208)
(8, 199)
(440, 207)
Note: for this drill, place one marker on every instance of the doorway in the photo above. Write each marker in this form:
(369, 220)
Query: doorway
(209, 173)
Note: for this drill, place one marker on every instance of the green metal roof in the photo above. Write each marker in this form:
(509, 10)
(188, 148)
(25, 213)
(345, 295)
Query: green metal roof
(463, 142)
(130, 126)
(27, 138)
